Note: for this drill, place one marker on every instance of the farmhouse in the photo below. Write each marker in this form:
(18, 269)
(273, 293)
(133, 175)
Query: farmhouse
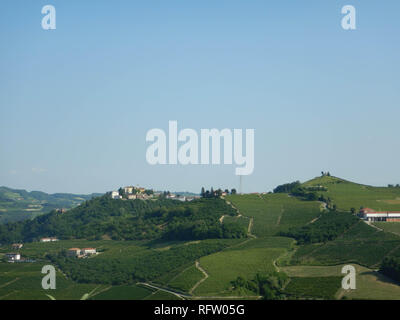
(74, 252)
(17, 246)
(81, 253)
(13, 257)
(372, 215)
(51, 239)
(88, 251)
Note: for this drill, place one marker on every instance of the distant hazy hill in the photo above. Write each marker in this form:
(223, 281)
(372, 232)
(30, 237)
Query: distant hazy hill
(18, 205)
(186, 193)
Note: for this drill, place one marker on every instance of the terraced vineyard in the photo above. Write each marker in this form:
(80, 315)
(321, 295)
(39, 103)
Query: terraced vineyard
(347, 195)
(361, 244)
(273, 213)
(230, 268)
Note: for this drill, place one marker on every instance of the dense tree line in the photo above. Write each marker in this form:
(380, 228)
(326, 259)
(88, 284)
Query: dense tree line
(295, 189)
(328, 227)
(215, 193)
(391, 267)
(199, 230)
(270, 285)
(287, 187)
(128, 220)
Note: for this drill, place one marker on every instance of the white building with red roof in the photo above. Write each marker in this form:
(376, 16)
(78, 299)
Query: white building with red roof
(372, 215)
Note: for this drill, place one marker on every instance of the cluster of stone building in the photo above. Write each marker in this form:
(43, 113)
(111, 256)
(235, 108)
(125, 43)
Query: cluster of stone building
(81, 253)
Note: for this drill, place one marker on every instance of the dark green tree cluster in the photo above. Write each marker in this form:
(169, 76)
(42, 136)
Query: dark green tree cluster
(199, 230)
(391, 267)
(270, 285)
(328, 227)
(128, 220)
(202, 222)
(287, 187)
(215, 193)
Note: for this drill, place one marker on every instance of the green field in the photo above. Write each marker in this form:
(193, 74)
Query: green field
(161, 295)
(347, 195)
(132, 292)
(186, 280)
(23, 281)
(393, 227)
(226, 266)
(205, 269)
(369, 283)
(314, 287)
(267, 242)
(273, 213)
(361, 244)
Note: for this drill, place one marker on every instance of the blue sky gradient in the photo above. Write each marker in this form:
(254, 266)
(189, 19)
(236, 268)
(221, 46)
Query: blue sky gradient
(76, 102)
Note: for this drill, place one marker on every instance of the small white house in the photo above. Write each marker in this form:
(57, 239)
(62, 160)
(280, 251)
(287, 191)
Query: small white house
(88, 251)
(73, 252)
(51, 239)
(115, 195)
(13, 257)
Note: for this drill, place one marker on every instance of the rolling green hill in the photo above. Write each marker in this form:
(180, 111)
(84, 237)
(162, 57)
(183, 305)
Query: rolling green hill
(347, 195)
(104, 217)
(17, 205)
(254, 246)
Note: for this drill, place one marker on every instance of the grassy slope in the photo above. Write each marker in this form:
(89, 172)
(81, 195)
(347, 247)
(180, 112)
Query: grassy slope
(223, 267)
(275, 212)
(347, 195)
(393, 227)
(369, 284)
(185, 280)
(361, 244)
(271, 214)
(23, 282)
(131, 292)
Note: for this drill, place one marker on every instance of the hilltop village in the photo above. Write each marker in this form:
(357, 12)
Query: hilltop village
(136, 192)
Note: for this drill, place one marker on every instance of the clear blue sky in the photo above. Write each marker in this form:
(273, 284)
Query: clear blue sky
(76, 102)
